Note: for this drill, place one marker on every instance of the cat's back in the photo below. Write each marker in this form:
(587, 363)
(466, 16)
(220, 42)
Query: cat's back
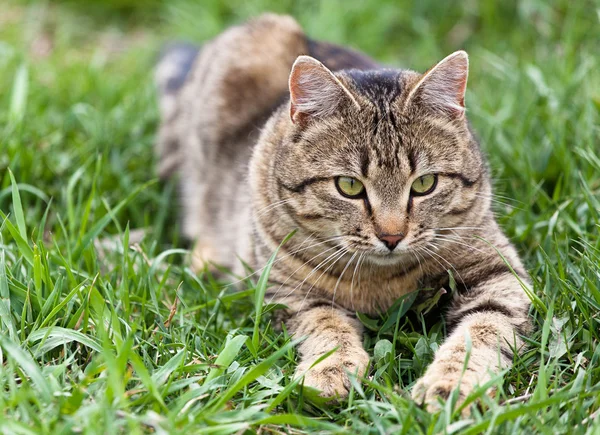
(231, 85)
(214, 101)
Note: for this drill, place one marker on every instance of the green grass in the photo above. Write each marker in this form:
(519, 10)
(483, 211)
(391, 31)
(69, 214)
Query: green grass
(124, 338)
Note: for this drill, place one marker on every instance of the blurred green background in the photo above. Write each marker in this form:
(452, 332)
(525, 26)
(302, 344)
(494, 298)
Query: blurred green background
(86, 60)
(78, 118)
(87, 66)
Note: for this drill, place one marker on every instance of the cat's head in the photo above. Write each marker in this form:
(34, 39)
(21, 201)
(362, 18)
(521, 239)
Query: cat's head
(381, 162)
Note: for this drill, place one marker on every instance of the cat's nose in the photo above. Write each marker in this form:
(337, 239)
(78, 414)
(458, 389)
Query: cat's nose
(391, 240)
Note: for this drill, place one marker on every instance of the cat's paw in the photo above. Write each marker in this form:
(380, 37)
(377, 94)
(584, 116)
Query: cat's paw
(436, 385)
(330, 376)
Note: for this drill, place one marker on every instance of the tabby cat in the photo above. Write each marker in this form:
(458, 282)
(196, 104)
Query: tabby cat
(375, 169)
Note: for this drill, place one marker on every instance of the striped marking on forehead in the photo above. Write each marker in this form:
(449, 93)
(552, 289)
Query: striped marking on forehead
(446, 125)
(380, 88)
(435, 140)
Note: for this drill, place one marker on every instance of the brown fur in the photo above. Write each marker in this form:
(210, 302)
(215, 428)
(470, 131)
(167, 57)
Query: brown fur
(251, 174)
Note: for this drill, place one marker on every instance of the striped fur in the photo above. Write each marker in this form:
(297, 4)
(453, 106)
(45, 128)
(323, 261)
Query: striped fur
(250, 175)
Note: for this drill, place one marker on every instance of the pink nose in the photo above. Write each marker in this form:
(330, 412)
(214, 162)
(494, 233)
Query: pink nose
(391, 240)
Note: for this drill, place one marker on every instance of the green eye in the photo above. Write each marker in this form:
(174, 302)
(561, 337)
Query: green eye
(424, 185)
(349, 187)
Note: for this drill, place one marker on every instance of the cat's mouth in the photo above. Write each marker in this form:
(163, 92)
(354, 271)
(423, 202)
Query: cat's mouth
(403, 254)
(391, 258)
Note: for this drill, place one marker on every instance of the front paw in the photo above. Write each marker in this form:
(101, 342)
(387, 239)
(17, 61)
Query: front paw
(437, 384)
(330, 376)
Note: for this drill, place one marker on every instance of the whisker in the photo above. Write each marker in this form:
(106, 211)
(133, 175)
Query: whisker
(340, 277)
(460, 228)
(448, 249)
(454, 240)
(335, 260)
(300, 267)
(432, 252)
(416, 254)
(315, 269)
(498, 201)
(271, 207)
(284, 257)
(508, 198)
(358, 265)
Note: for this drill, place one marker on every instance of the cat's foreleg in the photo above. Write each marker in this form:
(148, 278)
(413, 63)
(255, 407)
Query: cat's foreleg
(326, 328)
(489, 321)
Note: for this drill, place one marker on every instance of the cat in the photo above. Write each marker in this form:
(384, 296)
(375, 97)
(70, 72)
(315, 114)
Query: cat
(377, 171)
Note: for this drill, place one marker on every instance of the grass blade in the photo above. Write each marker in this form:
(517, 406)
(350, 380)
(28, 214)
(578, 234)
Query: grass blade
(160, 376)
(226, 356)
(17, 207)
(105, 220)
(28, 365)
(259, 296)
(18, 100)
(252, 374)
(54, 336)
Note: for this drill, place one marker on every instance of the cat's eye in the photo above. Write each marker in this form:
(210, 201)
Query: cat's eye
(424, 185)
(349, 187)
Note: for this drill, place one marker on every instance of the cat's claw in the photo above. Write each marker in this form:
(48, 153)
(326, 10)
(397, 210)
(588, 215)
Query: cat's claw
(331, 376)
(433, 389)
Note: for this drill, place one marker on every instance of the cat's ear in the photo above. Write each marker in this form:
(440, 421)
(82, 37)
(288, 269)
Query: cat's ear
(314, 90)
(442, 88)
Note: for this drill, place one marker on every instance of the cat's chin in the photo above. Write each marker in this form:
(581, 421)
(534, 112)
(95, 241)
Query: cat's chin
(391, 259)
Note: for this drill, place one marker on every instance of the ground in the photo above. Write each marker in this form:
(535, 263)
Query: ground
(96, 338)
